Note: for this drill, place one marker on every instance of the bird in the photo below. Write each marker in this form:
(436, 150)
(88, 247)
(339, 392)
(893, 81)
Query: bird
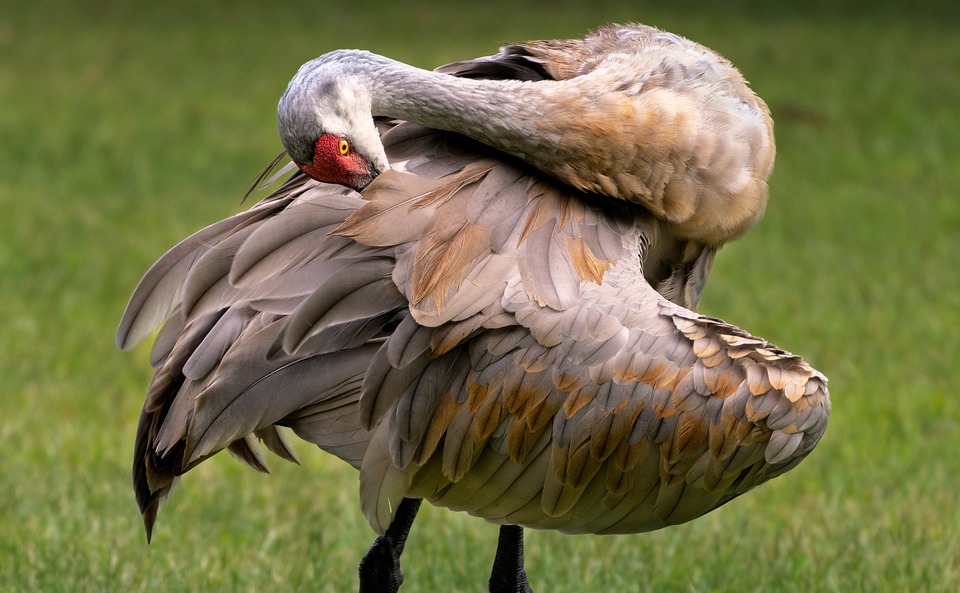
(478, 286)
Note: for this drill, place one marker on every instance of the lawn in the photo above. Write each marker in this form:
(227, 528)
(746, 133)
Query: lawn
(125, 126)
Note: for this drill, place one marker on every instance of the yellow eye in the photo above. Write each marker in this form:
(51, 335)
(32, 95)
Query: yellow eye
(344, 147)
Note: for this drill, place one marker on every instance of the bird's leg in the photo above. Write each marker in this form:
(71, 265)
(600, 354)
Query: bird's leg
(380, 568)
(508, 575)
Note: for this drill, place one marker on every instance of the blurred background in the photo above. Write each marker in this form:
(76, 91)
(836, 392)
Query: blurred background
(125, 126)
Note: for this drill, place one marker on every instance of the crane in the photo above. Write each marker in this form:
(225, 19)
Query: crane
(479, 289)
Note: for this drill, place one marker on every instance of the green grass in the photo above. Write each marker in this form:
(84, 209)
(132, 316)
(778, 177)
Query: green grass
(125, 126)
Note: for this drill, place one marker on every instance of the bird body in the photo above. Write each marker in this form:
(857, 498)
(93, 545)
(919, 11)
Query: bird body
(469, 330)
(530, 360)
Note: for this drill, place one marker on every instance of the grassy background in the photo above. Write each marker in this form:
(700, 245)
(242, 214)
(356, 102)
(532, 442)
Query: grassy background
(125, 126)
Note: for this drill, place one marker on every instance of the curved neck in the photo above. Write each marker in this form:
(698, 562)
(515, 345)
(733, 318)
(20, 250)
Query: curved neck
(571, 129)
(694, 149)
(500, 113)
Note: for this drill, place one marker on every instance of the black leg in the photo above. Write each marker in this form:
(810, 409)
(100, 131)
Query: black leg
(508, 575)
(380, 568)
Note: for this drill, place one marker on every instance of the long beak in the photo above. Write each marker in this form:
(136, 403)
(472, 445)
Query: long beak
(367, 179)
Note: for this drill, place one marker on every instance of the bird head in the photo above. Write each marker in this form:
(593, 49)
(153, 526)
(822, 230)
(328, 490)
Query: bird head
(326, 125)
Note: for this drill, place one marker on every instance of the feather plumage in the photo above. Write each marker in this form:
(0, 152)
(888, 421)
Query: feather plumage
(474, 333)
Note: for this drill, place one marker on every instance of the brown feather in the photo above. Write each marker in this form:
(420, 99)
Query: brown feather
(474, 333)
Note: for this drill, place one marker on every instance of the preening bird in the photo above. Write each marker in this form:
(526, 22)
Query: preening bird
(479, 290)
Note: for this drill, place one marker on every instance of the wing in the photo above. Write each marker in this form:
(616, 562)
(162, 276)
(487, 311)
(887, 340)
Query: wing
(540, 380)
(464, 326)
(222, 378)
(269, 319)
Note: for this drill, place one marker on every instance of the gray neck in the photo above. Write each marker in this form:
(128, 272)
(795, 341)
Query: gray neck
(486, 110)
(496, 112)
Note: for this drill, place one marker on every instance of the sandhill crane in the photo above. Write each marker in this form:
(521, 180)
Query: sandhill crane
(488, 305)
